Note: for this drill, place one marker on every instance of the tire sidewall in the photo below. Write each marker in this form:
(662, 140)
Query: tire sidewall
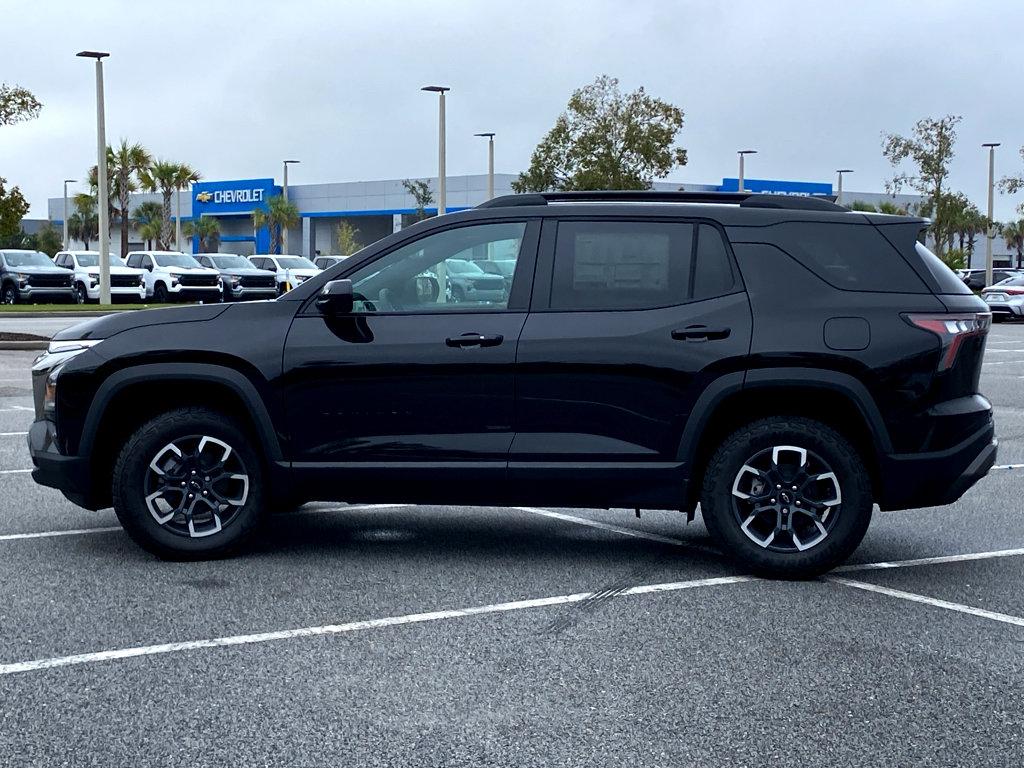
(854, 512)
(129, 484)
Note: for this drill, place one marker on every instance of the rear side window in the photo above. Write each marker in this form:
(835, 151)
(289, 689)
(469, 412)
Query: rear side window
(853, 257)
(946, 279)
(611, 265)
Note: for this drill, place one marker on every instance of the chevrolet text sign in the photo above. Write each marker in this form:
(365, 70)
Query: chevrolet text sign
(241, 196)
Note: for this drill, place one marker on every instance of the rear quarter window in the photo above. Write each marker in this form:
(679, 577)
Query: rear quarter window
(852, 257)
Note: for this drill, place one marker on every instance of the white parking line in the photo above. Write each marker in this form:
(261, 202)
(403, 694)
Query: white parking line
(604, 526)
(11, 435)
(939, 559)
(348, 627)
(17, 408)
(929, 601)
(62, 533)
(13, 472)
(1007, 467)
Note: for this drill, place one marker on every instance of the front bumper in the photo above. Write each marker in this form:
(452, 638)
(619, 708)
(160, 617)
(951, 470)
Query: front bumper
(69, 475)
(243, 292)
(195, 293)
(46, 293)
(119, 292)
(937, 478)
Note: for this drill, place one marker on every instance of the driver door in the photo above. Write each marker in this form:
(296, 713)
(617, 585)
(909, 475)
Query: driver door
(413, 383)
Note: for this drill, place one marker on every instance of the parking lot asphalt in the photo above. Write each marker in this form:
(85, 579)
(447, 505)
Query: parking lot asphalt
(355, 635)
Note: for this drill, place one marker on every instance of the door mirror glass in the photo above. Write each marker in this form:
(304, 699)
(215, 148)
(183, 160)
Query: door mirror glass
(335, 298)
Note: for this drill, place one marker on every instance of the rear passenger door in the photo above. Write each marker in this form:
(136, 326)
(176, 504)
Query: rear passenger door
(630, 321)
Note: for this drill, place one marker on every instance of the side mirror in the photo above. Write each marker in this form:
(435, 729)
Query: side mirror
(336, 298)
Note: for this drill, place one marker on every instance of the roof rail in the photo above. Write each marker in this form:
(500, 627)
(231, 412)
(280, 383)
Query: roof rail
(744, 199)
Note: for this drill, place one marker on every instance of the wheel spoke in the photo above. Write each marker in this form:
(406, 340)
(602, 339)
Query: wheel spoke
(759, 486)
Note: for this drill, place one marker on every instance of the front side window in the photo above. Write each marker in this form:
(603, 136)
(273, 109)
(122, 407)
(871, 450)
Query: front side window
(436, 273)
(611, 265)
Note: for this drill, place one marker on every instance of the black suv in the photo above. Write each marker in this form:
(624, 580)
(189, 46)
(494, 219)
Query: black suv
(783, 362)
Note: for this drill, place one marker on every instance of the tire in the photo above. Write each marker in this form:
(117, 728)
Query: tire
(9, 295)
(169, 525)
(81, 295)
(160, 293)
(809, 547)
(458, 294)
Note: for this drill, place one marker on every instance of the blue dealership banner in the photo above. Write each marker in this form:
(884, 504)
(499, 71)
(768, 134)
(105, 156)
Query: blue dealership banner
(241, 196)
(777, 186)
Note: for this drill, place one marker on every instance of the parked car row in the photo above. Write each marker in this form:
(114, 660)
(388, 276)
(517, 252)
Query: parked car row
(152, 276)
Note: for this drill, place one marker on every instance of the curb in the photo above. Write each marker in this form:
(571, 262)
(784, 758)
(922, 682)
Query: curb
(40, 344)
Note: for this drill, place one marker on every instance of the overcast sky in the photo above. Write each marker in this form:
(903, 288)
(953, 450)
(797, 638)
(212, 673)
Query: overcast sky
(234, 87)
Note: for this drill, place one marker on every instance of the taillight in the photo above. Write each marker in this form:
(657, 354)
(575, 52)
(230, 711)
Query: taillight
(952, 330)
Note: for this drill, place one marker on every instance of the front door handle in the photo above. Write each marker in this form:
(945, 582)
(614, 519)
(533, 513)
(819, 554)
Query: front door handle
(473, 339)
(700, 333)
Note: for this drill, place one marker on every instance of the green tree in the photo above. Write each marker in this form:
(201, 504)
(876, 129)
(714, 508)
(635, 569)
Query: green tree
(147, 218)
(124, 164)
(1013, 184)
(208, 230)
(47, 240)
(891, 207)
(606, 140)
(930, 150)
(347, 239)
(13, 208)
(862, 205)
(165, 177)
(17, 104)
(420, 191)
(1013, 234)
(278, 215)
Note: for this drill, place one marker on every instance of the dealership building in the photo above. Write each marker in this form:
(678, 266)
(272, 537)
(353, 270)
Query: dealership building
(378, 208)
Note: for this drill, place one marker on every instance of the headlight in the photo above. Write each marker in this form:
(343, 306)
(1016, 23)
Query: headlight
(142, 280)
(23, 278)
(174, 280)
(51, 362)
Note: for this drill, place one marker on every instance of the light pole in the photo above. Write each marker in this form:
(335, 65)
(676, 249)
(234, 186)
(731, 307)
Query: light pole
(101, 176)
(441, 181)
(991, 186)
(66, 183)
(177, 219)
(741, 153)
(490, 163)
(839, 190)
(284, 191)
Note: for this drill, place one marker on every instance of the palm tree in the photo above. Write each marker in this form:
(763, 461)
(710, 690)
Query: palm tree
(148, 219)
(208, 230)
(165, 177)
(84, 224)
(279, 214)
(125, 164)
(1013, 234)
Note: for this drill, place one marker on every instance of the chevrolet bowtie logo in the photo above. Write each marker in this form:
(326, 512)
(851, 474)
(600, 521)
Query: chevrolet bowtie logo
(204, 197)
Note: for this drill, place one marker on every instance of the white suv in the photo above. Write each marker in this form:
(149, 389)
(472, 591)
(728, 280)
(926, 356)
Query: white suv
(291, 270)
(125, 282)
(173, 276)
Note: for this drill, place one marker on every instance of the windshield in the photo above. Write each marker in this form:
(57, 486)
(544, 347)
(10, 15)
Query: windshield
(231, 262)
(461, 267)
(175, 260)
(295, 263)
(28, 259)
(93, 260)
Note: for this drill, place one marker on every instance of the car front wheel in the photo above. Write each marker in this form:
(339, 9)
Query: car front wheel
(787, 497)
(189, 485)
(9, 295)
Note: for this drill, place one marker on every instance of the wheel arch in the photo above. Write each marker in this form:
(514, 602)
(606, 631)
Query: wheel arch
(131, 396)
(833, 398)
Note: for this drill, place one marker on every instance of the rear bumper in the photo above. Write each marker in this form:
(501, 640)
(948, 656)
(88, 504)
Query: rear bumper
(69, 475)
(937, 478)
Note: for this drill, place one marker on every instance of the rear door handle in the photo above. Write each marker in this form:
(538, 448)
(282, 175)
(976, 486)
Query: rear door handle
(700, 333)
(473, 339)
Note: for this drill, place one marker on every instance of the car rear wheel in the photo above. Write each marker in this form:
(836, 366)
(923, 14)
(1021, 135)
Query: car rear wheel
(189, 485)
(787, 497)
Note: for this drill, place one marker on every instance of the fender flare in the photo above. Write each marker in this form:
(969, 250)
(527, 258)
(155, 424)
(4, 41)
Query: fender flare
(826, 379)
(199, 372)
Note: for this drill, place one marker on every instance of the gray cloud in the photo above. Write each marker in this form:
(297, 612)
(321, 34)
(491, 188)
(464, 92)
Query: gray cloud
(234, 87)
